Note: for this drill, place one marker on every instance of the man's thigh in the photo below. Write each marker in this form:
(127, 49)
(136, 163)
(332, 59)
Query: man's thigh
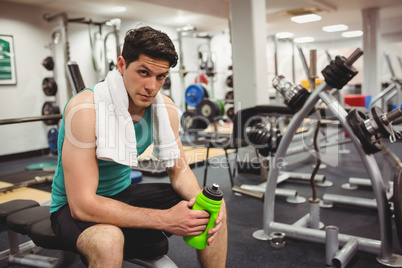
(158, 196)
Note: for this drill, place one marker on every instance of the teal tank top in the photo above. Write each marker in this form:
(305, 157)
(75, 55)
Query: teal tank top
(113, 177)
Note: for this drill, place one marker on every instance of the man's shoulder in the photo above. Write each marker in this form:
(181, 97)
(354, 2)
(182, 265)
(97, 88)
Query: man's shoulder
(84, 99)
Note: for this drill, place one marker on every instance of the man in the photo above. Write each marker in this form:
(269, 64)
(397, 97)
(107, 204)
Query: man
(95, 211)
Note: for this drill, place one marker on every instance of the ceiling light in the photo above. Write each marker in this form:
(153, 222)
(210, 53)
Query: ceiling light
(119, 9)
(305, 18)
(352, 34)
(335, 28)
(283, 35)
(306, 39)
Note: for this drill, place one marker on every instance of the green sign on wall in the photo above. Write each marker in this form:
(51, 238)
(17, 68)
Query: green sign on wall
(7, 61)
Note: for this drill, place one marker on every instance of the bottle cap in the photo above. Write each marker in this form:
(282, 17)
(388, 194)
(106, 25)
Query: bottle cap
(213, 192)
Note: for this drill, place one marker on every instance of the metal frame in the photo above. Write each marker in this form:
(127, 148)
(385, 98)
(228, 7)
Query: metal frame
(382, 248)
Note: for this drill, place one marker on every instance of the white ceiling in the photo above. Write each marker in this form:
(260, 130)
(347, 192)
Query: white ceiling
(213, 15)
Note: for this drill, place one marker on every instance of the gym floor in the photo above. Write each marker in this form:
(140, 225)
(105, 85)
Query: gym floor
(245, 214)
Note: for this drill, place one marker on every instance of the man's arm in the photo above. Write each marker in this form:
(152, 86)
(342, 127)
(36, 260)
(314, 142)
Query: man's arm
(182, 177)
(81, 181)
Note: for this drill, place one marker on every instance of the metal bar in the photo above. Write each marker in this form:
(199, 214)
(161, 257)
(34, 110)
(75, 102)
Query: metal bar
(350, 200)
(383, 94)
(318, 236)
(343, 257)
(388, 60)
(331, 243)
(374, 174)
(29, 119)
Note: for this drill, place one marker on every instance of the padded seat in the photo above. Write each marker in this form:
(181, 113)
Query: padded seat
(42, 234)
(13, 206)
(21, 221)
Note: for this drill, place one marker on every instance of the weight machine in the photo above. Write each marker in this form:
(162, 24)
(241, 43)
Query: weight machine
(308, 227)
(394, 90)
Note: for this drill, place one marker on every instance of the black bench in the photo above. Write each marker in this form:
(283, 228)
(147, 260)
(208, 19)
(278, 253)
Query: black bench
(27, 217)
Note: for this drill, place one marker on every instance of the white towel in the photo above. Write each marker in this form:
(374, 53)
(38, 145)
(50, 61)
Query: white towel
(115, 131)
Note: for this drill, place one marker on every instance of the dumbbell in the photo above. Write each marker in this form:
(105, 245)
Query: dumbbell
(265, 139)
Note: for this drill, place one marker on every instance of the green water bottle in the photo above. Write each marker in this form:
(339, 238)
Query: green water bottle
(210, 199)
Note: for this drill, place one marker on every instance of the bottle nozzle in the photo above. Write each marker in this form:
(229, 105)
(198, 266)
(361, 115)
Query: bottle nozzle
(215, 186)
(213, 192)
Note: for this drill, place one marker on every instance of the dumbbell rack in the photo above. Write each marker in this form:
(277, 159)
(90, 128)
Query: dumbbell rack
(382, 248)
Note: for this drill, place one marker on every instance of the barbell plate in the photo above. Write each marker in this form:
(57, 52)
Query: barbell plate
(210, 109)
(230, 113)
(49, 86)
(49, 108)
(369, 143)
(229, 81)
(52, 136)
(222, 104)
(191, 121)
(194, 94)
(48, 63)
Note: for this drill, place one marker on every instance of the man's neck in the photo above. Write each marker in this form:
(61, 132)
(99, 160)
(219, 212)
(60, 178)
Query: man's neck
(136, 112)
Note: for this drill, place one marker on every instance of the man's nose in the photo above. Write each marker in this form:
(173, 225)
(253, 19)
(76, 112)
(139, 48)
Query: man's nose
(151, 84)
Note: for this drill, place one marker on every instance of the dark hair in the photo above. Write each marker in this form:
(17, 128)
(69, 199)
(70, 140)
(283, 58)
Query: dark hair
(150, 42)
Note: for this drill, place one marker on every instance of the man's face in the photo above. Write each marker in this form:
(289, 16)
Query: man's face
(143, 78)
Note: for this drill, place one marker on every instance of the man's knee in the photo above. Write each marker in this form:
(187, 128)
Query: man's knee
(101, 239)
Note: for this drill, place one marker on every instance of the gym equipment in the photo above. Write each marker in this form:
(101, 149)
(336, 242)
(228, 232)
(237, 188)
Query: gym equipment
(394, 90)
(370, 130)
(136, 176)
(382, 248)
(211, 109)
(35, 181)
(191, 121)
(230, 112)
(167, 84)
(51, 117)
(74, 75)
(195, 93)
(398, 202)
(295, 96)
(264, 138)
(210, 200)
(49, 108)
(27, 217)
(52, 136)
(203, 79)
(40, 166)
(229, 81)
(48, 63)
(49, 86)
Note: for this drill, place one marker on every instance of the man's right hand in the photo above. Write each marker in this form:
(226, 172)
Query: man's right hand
(182, 220)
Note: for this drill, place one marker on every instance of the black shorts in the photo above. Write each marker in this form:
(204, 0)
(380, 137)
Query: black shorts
(139, 243)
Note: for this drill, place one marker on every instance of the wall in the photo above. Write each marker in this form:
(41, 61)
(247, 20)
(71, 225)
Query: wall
(25, 98)
(31, 36)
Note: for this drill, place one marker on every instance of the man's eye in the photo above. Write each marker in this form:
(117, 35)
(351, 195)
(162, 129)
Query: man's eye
(143, 72)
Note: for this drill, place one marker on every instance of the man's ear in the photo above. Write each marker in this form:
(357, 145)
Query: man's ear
(121, 64)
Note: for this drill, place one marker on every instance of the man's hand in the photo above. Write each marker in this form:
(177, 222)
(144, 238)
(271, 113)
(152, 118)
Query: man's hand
(182, 220)
(213, 231)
